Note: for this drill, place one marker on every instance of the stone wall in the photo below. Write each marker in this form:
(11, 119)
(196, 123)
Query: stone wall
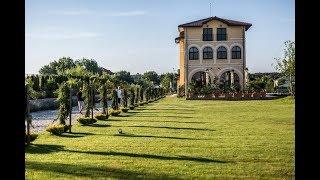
(49, 104)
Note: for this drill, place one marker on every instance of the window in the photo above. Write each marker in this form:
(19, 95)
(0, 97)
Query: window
(207, 34)
(193, 53)
(221, 34)
(207, 53)
(236, 52)
(222, 53)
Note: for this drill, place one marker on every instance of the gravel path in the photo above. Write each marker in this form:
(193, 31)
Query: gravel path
(41, 119)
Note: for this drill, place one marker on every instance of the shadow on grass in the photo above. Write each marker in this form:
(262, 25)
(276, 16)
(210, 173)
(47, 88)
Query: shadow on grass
(92, 171)
(165, 116)
(182, 109)
(165, 112)
(43, 148)
(46, 148)
(151, 156)
(99, 125)
(121, 115)
(150, 136)
(67, 135)
(81, 133)
(187, 122)
(115, 120)
(166, 127)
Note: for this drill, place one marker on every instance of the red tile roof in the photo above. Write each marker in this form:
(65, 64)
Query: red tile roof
(229, 22)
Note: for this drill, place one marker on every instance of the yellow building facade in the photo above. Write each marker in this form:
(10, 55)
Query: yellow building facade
(212, 49)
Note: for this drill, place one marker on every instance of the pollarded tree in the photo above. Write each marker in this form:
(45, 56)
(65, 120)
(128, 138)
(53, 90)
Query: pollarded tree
(104, 100)
(132, 96)
(87, 97)
(64, 102)
(147, 94)
(125, 98)
(136, 94)
(141, 94)
(115, 104)
(28, 117)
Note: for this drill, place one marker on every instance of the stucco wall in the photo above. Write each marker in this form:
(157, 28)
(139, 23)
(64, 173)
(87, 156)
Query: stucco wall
(218, 66)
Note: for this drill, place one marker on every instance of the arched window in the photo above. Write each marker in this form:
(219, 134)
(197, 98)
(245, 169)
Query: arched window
(193, 53)
(207, 53)
(222, 53)
(236, 52)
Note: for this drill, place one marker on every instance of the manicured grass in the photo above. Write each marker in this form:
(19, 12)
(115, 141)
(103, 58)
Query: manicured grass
(175, 138)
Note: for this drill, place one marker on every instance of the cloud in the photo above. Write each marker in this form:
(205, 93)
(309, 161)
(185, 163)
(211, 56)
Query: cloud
(63, 35)
(71, 12)
(88, 12)
(128, 13)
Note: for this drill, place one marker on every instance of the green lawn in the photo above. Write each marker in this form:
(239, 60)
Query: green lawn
(175, 138)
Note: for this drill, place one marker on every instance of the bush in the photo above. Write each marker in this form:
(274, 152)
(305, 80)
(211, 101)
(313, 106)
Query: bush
(131, 107)
(125, 110)
(56, 129)
(32, 137)
(67, 127)
(181, 91)
(101, 116)
(86, 120)
(114, 112)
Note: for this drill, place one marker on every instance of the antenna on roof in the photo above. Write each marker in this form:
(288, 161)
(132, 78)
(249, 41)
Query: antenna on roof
(210, 9)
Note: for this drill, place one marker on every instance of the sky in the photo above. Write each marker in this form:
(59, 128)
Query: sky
(138, 35)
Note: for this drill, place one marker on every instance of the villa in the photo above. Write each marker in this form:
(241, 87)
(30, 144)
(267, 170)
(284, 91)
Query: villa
(213, 49)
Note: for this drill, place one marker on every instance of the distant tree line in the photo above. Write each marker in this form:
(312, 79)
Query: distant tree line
(50, 77)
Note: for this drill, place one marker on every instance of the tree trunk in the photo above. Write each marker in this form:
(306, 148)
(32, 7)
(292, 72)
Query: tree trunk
(28, 121)
(70, 112)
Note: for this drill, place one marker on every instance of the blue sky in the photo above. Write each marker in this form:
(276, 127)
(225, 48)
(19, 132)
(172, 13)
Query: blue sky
(138, 35)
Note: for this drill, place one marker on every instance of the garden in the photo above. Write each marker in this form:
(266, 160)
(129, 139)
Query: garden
(148, 135)
(172, 138)
(95, 85)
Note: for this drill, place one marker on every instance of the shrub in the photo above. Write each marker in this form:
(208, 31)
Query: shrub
(101, 116)
(86, 120)
(114, 112)
(32, 137)
(115, 104)
(131, 107)
(125, 110)
(64, 104)
(181, 91)
(67, 127)
(56, 129)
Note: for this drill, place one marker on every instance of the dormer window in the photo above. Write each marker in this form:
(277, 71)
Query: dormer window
(207, 34)
(221, 34)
